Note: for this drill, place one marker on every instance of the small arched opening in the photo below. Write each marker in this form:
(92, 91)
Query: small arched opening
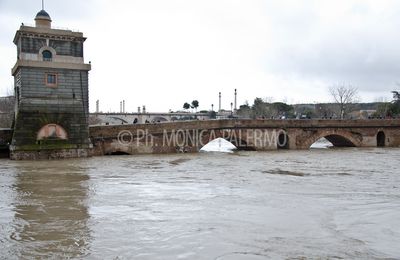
(117, 153)
(380, 139)
(283, 140)
(52, 132)
(47, 55)
(4, 149)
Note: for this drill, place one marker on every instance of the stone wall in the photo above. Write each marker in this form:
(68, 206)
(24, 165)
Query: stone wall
(6, 120)
(50, 154)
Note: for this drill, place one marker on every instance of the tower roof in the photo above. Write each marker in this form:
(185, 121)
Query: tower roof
(43, 15)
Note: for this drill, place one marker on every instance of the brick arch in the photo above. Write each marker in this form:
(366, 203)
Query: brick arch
(339, 138)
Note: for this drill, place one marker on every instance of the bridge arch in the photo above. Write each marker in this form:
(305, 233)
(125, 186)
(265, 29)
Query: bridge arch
(159, 119)
(117, 152)
(338, 138)
(123, 121)
(116, 149)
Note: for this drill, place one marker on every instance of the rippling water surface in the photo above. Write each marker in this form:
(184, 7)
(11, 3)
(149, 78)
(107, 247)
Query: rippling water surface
(315, 204)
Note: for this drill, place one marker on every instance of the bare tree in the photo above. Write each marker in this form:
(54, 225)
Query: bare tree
(344, 96)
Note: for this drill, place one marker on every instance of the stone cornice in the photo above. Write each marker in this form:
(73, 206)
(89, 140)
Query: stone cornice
(47, 33)
(50, 65)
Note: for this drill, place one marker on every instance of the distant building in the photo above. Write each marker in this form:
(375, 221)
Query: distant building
(51, 91)
(365, 114)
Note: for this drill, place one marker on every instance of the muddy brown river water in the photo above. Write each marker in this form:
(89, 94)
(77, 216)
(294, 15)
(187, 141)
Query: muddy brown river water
(314, 204)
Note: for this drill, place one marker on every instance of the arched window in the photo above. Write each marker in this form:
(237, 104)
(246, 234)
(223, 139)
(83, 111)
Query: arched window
(52, 131)
(47, 55)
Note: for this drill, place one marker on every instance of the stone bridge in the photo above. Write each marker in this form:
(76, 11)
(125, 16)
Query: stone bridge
(259, 135)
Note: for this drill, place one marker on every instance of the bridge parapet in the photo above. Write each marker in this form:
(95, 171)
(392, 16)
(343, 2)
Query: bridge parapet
(142, 118)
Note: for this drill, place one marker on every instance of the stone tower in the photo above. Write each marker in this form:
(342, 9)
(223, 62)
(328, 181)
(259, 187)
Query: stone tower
(51, 91)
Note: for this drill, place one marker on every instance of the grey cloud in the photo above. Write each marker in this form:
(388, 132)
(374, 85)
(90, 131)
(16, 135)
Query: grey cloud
(366, 55)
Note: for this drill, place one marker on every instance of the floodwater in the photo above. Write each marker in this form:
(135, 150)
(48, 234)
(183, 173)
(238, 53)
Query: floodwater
(314, 204)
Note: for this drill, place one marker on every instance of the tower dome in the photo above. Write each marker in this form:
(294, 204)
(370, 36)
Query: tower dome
(43, 19)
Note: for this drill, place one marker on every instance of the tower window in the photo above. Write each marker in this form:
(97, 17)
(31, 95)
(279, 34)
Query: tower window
(51, 80)
(47, 55)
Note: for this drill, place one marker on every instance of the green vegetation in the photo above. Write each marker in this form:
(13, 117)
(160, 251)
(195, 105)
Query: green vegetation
(195, 104)
(186, 106)
(264, 109)
(389, 109)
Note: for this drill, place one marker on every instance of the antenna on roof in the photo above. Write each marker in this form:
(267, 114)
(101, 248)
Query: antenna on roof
(42, 4)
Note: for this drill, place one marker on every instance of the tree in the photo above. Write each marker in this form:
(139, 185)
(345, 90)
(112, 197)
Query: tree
(259, 108)
(344, 96)
(244, 110)
(195, 104)
(281, 109)
(186, 106)
(396, 96)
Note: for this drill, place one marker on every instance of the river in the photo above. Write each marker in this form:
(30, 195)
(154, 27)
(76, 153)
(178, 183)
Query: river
(313, 204)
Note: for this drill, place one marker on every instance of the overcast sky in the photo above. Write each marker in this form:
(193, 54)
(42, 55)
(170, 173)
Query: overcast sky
(162, 53)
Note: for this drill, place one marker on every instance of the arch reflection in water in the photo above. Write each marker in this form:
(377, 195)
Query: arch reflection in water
(50, 210)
